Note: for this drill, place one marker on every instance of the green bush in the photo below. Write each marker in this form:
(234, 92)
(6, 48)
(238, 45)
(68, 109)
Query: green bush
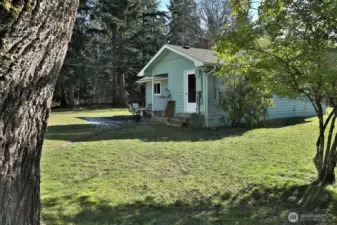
(246, 105)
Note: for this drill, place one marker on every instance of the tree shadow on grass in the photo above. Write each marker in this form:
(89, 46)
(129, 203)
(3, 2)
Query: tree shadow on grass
(286, 122)
(127, 127)
(139, 131)
(252, 205)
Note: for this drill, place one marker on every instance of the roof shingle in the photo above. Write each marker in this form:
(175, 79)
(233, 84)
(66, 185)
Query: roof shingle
(204, 55)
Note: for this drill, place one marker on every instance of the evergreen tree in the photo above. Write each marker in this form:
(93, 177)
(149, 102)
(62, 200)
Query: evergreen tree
(150, 37)
(81, 51)
(184, 25)
(112, 41)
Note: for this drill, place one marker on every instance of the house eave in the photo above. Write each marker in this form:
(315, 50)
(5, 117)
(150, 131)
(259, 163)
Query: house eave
(196, 62)
(148, 81)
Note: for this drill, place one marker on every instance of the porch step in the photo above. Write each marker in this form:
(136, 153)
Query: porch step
(173, 121)
(184, 115)
(179, 119)
(174, 124)
(160, 119)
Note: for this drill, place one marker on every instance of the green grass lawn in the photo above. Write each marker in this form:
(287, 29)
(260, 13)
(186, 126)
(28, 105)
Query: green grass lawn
(153, 174)
(65, 126)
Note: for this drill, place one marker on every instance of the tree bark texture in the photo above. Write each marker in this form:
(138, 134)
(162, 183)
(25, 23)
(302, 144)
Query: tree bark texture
(325, 159)
(33, 43)
(331, 157)
(318, 160)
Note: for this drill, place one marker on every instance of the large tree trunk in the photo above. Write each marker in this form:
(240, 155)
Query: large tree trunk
(325, 159)
(63, 97)
(61, 92)
(33, 43)
(122, 90)
(71, 95)
(318, 160)
(330, 158)
(114, 88)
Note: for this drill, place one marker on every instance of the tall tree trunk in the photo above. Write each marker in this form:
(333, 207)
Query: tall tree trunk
(33, 43)
(325, 159)
(63, 93)
(318, 160)
(330, 159)
(60, 93)
(122, 90)
(63, 97)
(114, 88)
(71, 95)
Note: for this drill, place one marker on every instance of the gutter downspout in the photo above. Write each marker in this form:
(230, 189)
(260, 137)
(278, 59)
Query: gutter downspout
(206, 89)
(152, 95)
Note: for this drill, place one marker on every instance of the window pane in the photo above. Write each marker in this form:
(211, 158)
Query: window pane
(156, 88)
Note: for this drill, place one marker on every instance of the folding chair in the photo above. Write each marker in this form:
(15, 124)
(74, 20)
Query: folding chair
(134, 108)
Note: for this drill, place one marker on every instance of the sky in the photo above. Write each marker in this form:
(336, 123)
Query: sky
(163, 4)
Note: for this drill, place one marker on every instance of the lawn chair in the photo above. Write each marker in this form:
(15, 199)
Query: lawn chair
(134, 109)
(149, 108)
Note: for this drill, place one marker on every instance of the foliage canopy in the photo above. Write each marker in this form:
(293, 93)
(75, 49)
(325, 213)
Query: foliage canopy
(290, 50)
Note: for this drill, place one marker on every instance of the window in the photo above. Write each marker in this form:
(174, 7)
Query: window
(156, 88)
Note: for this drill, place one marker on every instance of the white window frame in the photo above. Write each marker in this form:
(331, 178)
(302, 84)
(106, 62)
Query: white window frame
(157, 82)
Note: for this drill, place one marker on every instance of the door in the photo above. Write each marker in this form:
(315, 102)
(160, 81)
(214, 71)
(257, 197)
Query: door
(190, 91)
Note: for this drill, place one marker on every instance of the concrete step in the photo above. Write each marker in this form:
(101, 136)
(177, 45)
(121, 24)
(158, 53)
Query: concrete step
(179, 119)
(173, 121)
(184, 115)
(159, 119)
(175, 124)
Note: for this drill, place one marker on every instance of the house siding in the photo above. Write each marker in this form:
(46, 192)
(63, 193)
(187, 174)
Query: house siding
(282, 107)
(174, 65)
(160, 101)
(285, 108)
(216, 115)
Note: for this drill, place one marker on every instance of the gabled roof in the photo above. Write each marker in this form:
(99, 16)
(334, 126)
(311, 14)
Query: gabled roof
(149, 79)
(204, 55)
(200, 57)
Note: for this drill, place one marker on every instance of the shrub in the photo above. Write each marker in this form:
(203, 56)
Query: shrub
(245, 105)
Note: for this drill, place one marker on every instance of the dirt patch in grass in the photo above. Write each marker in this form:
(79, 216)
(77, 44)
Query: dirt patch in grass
(113, 122)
